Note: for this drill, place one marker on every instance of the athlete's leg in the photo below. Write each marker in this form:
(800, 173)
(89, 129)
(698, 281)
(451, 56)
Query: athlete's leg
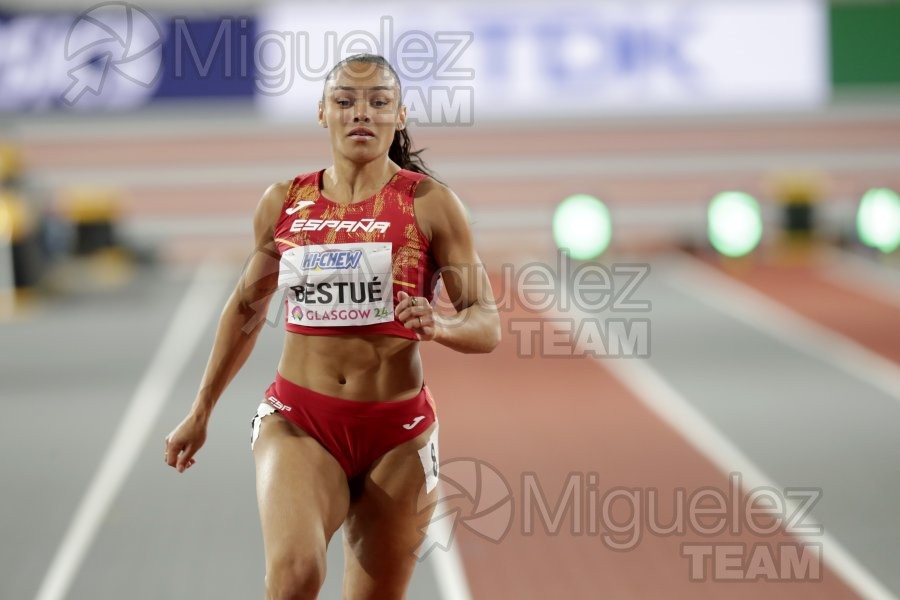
(303, 498)
(385, 523)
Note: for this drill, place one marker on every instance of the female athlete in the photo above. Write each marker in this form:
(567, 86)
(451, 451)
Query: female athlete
(347, 434)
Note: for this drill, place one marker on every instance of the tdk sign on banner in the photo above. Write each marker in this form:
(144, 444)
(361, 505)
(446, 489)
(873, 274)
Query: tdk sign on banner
(466, 61)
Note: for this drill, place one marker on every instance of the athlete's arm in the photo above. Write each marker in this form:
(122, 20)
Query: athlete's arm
(239, 325)
(442, 218)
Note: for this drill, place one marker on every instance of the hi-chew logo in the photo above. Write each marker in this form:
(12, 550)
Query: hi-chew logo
(332, 259)
(115, 52)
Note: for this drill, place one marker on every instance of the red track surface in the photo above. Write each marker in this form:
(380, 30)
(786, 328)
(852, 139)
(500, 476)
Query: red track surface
(556, 416)
(861, 317)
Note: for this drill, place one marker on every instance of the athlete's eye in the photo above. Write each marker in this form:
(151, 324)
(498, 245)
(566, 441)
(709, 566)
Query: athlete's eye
(380, 102)
(344, 102)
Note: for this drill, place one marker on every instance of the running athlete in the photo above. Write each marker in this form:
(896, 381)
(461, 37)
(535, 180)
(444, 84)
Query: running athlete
(347, 433)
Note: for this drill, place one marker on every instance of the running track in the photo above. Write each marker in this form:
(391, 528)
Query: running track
(777, 371)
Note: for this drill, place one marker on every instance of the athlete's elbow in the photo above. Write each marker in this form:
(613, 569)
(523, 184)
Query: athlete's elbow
(497, 338)
(491, 338)
(246, 314)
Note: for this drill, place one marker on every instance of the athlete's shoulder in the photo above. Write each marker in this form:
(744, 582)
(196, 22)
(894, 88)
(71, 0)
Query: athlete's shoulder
(268, 210)
(429, 186)
(276, 194)
(430, 191)
(438, 206)
(280, 192)
(413, 176)
(279, 188)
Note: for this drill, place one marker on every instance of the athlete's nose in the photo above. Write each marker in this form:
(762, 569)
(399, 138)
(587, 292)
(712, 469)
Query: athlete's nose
(362, 113)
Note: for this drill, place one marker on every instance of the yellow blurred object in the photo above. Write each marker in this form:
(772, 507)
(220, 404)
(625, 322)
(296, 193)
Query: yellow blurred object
(16, 224)
(92, 205)
(10, 162)
(16, 219)
(798, 192)
(111, 267)
(797, 186)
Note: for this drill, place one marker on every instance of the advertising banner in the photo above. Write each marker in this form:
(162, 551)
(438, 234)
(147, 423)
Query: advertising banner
(118, 56)
(465, 61)
(458, 61)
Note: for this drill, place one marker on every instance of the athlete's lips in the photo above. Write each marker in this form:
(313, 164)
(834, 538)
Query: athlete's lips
(361, 131)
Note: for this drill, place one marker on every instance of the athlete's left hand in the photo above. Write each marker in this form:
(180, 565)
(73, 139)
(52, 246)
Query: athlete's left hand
(416, 313)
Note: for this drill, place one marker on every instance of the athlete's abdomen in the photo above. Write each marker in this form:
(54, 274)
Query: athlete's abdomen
(354, 367)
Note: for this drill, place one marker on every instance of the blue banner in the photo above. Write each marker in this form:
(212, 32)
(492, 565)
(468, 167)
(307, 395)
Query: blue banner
(117, 56)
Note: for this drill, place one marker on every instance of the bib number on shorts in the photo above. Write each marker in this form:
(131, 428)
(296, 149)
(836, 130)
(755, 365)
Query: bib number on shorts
(429, 457)
(337, 285)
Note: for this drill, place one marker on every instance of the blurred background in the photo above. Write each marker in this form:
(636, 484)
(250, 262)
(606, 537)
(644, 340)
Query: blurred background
(690, 213)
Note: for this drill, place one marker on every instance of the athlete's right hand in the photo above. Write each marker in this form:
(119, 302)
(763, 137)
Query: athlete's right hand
(184, 441)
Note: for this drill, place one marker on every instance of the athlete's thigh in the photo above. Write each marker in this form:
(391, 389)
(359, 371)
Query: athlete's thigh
(301, 490)
(385, 523)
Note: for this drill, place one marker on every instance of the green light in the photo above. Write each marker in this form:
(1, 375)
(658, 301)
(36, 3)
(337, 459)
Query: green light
(735, 223)
(582, 226)
(878, 219)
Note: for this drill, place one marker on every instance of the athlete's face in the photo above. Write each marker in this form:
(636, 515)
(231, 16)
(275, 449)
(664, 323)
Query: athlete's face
(361, 108)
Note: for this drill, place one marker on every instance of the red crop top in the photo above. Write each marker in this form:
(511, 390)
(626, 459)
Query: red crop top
(342, 265)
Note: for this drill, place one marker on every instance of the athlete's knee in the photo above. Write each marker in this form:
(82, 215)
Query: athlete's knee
(297, 576)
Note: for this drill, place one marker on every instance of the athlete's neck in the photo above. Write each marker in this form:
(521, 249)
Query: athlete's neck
(347, 181)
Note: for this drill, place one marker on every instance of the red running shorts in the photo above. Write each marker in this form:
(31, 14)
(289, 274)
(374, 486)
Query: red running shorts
(355, 433)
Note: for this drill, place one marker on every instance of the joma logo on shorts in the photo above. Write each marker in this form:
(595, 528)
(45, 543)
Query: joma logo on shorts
(278, 405)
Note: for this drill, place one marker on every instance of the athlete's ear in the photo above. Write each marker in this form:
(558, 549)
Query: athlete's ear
(322, 115)
(401, 117)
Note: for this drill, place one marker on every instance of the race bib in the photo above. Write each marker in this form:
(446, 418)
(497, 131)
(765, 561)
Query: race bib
(335, 285)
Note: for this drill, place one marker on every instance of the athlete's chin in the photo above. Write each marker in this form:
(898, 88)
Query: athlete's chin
(364, 155)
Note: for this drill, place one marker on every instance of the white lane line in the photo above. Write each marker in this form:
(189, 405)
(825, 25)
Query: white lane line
(197, 308)
(648, 386)
(662, 399)
(740, 301)
(880, 282)
(447, 565)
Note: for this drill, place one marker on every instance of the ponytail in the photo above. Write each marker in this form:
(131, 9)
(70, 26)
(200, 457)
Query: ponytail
(408, 159)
